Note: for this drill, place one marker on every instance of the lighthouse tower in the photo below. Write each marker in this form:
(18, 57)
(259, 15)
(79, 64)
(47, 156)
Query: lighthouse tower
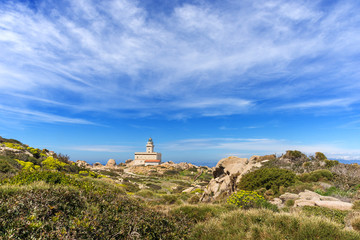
(150, 146)
(149, 157)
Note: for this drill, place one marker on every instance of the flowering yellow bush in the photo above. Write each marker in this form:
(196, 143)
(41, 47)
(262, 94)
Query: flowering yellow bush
(52, 163)
(27, 165)
(246, 199)
(13, 145)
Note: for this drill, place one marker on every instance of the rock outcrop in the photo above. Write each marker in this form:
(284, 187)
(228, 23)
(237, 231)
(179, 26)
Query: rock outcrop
(111, 163)
(97, 165)
(82, 164)
(227, 174)
(309, 198)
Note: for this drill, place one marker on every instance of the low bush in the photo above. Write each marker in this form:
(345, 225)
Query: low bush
(249, 199)
(268, 178)
(13, 145)
(294, 155)
(317, 175)
(320, 156)
(8, 165)
(68, 213)
(331, 163)
(60, 178)
(290, 203)
(52, 163)
(29, 166)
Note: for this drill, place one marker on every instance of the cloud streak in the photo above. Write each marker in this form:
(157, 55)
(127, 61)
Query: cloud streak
(197, 60)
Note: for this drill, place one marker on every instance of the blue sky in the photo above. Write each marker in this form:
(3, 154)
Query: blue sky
(204, 79)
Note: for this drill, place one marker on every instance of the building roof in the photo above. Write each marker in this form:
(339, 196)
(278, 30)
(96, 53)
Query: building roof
(152, 161)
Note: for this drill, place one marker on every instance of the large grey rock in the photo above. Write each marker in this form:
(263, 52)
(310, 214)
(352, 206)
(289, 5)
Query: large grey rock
(276, 201)
(289, 196)
(82, 164)
(98, 165)
(309, 195)
(334, 205)
(302, 203)
(111, 163)
(227, 174)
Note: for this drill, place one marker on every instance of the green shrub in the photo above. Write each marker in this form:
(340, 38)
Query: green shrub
(59, 178)
(35, 152)
(246, 199)
(268, 178)
(331, 163)
(320, 156)
(53, 163)
(294, 155)
(68, 213)
(290, 203)
(317, 175)
(8, 165)
(14, 145)
(87, 173)
(27, 165)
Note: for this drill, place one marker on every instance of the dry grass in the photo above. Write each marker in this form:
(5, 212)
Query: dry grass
(265, 224)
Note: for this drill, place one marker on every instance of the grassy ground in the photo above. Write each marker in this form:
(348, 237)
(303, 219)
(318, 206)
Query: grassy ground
(264, 224)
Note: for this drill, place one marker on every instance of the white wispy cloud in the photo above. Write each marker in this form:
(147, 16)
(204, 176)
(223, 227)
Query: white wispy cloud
(200, 59)
(342, 102)
(31, 115)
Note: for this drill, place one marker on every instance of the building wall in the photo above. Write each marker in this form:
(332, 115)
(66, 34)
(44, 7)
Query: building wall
(147, 156)
(152, 163)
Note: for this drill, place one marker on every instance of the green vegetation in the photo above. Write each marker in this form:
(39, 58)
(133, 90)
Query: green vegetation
(13, 145)
(202, 212)
(356, 205)
(320, 156)
(246, 199)
(28, 165)
(8, 165)
(268, 178)
(337, 216)
(317, 175)
(331, 163)
(63, 212)
(43, 195)
(53, 163)
(265, 224)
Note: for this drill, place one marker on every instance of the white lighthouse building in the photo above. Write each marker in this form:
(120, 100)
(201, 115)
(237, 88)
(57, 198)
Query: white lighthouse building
(149, 157)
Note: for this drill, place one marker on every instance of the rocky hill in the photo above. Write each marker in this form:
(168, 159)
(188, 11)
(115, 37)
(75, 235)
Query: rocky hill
(292, 196)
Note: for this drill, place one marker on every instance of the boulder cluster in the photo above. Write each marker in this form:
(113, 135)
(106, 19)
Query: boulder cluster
(110, 164)
(309, 198)
(227, 174)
